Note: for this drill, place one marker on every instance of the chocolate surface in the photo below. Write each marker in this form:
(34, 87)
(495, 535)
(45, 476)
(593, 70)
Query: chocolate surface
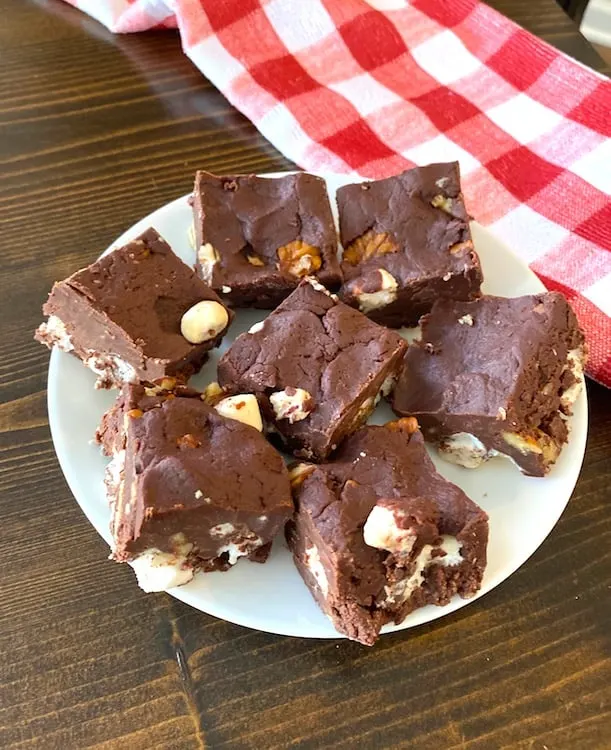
(505, 371)
(128, 306)
(415, 227)
(181, 477)
(435, 547)
(319, 358)
(266, 233)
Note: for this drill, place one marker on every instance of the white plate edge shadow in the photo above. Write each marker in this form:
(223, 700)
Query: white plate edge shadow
(314, 624)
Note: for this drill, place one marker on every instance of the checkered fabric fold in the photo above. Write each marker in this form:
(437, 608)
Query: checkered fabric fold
(341, 86)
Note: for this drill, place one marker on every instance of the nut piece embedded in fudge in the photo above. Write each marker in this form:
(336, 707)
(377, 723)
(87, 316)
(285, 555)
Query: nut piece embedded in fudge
(137, 314)
(318, 368)
(256, 237)
(191, 486)
(495, 376)
(378, 532)
(406, 243)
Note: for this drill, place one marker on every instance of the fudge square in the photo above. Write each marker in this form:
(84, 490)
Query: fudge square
(378, 532)
(191, 486)
(256, 237)
(137, 314)
(317, 366)
(495, 376)
(406, 243)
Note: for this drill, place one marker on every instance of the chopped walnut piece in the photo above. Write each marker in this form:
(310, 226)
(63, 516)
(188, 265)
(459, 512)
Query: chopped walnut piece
(255, 260)
(442, 202)
(188, 441)
(212, 393)
(405, 424)
(368, 246)
(161, 387)
(459, 247)
(299, 259)
(538, 443)
(298, 472)
(466, 320)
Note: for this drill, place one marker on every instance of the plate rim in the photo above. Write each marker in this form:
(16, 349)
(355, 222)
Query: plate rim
(579, 432)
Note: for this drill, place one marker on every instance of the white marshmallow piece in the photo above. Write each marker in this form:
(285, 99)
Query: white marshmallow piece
(464, 449)
(110, 365)
(403, 589)
(159, 571)
(55, 328)
(293, 404)
(208, 258)
(315, 566)
(222, 529)
(381, 531)
(574, 362)
(451, 546)
(235, 551)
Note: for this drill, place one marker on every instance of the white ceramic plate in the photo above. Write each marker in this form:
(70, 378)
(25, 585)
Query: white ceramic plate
(272, 597)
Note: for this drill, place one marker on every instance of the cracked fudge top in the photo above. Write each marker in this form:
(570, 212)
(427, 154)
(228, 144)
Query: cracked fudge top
(407, 241)
(385, 462)
(378, 532)
(500, 369)
(144, 288)
(183, 474)
(130, 304)
(257, 237)
(406, 223)
(314, 361)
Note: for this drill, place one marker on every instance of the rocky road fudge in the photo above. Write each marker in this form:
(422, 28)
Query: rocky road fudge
(317, 366)
(378, 532)
(406, 243)
(256, 237)
(495, 376)
(137, 314)
(191, 486)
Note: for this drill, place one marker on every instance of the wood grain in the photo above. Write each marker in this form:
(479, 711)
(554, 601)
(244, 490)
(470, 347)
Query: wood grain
(95, 132)
(548, 21)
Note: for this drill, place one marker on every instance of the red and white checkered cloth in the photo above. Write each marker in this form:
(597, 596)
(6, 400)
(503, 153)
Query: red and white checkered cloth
(341, 86)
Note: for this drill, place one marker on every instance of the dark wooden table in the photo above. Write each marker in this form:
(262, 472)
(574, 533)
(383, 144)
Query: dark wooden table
(95, 132)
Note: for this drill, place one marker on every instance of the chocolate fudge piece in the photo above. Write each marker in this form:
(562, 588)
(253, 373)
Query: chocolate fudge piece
(495, 375)
(317, 366)
(256, 237)
(406, 243)
(137, 314)
(190, 487)
(378, 532)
